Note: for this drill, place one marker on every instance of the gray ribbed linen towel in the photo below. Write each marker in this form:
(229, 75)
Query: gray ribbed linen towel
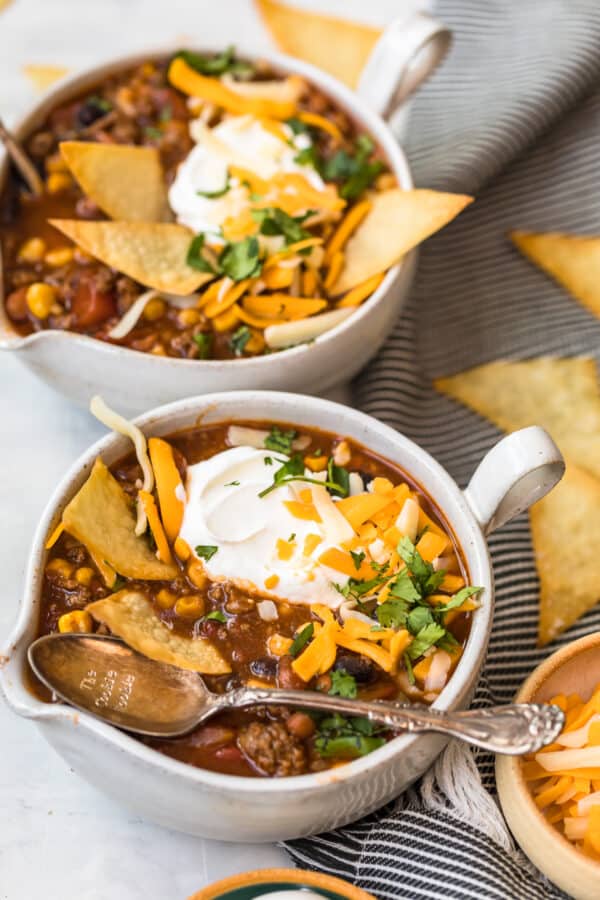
(512, 116)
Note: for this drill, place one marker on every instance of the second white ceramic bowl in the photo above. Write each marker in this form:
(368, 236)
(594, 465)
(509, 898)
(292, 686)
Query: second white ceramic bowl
(517, 472)
(80, 366)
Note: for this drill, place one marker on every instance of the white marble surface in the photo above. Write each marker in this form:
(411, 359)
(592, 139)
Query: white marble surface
(59, 838)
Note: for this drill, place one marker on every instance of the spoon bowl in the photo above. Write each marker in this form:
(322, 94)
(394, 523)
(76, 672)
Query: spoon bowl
(103, 676)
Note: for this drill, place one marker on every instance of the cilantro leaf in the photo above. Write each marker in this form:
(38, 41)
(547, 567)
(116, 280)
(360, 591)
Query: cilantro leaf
(347, 738)
(297, 125)
(342, 684)
(339, 476)
(274, 221)
(425, 579)
(355, 588)
(458, 599)
(302, 639)
(217, 64)
(216, 616)
(393, 613)
(293, 470)
(409, 668)
(204, 341)
(356, 172)
(418, 618)
(357, 558)
(403, 588)
(194, 257)
(241, 259)
(424, 639)
(239, 339)
(206, 551)
(280, 441)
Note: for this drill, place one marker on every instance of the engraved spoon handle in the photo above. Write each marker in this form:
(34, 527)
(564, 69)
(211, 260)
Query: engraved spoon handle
(512, 730)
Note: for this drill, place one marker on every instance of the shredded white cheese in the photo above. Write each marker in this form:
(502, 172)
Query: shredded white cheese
(128, 322)
(115, 422)
(289, 333)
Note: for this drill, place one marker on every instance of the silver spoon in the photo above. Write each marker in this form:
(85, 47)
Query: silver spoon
(22, 162)
(103, 676)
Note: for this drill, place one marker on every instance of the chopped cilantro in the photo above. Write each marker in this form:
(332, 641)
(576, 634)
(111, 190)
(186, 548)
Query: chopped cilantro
(241, 259)
(424, 639)
(118, 583)
(100, 103)
(308, 156)
(153, 133)
(355, 588)
(347, 738)
(217, 64)
(194, 257)
(166, 113)
(418, 618)
(318, 452)
(297, 125)
(274, 221)
(409, 668)
(424, 576)
(206, 551)
(280, 441)
(204, 341)
(292, 537)
(339, 476)
(402, 587)
(239, 339)
(393, 613)
(342, 684)
(357, 558)
(302, 639)
(216, 616)
(458, 599)
(268, 460)
(232, 484)
(356, 172)
(212, 195)
(293, 470)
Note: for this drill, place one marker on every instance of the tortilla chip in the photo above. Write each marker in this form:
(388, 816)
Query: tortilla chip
(101, 517)
(43, 77)
(572, 260)
(397, 222)
(127, 183)
(561, 395)
(153, 253)
(130, 615)
(566, 536)
(335, 45)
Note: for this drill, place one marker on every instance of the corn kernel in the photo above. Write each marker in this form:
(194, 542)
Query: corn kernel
(190, 607)
(79, 620)
(181, 549)
(40, 299)
(84, 575)
(278, 645)
(196, 574)
(158, 350)
(32, 250)
(57, 182)
(165, 599)
(316, 463)
(385, 182)
(154, 309)
(188, 317)
(59, 257)
(61, 566)
(147, 69)
(56, 163)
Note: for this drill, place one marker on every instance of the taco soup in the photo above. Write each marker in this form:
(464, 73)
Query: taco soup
(205, 207)
(264, 554)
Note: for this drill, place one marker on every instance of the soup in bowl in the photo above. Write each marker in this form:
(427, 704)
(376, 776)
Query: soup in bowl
(247, 540)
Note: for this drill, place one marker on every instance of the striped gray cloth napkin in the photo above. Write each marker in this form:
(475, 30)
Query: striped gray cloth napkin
(513, 116)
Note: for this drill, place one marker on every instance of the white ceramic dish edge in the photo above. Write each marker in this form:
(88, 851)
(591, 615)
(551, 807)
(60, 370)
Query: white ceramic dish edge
(234, 808)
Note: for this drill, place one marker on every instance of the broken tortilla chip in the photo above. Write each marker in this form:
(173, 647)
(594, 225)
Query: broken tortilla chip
(560, 394)
(396, 223)
(127, 183)
(571, 260)
(153, 253)
(101, 517)
(566, 534)
(339, 47)
(130, 615)
(43, 77)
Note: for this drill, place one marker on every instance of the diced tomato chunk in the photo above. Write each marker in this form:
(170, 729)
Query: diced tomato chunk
(90, 306)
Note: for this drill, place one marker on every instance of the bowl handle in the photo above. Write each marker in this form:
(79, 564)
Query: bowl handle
(407, 52)
(518, 471)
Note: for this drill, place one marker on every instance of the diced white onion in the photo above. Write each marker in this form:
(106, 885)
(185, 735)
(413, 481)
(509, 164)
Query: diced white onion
(115, 422)
(442, 563)
(575, 828)
(267, 611)
(379, 552)
(289, 333)
(341, 453)
(584, 806)
(438, 671)
(347, 611)
(355, 484)
(407, 522)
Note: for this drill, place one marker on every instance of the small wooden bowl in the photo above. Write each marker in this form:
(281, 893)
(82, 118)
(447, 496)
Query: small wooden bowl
(248, 885)
(572, 669)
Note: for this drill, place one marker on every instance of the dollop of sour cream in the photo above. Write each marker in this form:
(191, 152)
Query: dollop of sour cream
(240, 141)
(224, 510)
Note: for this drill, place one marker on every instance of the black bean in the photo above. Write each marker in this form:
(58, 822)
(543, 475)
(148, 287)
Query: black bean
(362, 669)
(265, 667)
(89, 112)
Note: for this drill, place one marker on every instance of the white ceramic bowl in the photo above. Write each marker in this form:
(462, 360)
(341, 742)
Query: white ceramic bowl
(516, 472)
(80, 366)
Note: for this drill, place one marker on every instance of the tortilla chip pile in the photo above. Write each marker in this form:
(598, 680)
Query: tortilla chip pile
(335, 45)
(561, 395)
